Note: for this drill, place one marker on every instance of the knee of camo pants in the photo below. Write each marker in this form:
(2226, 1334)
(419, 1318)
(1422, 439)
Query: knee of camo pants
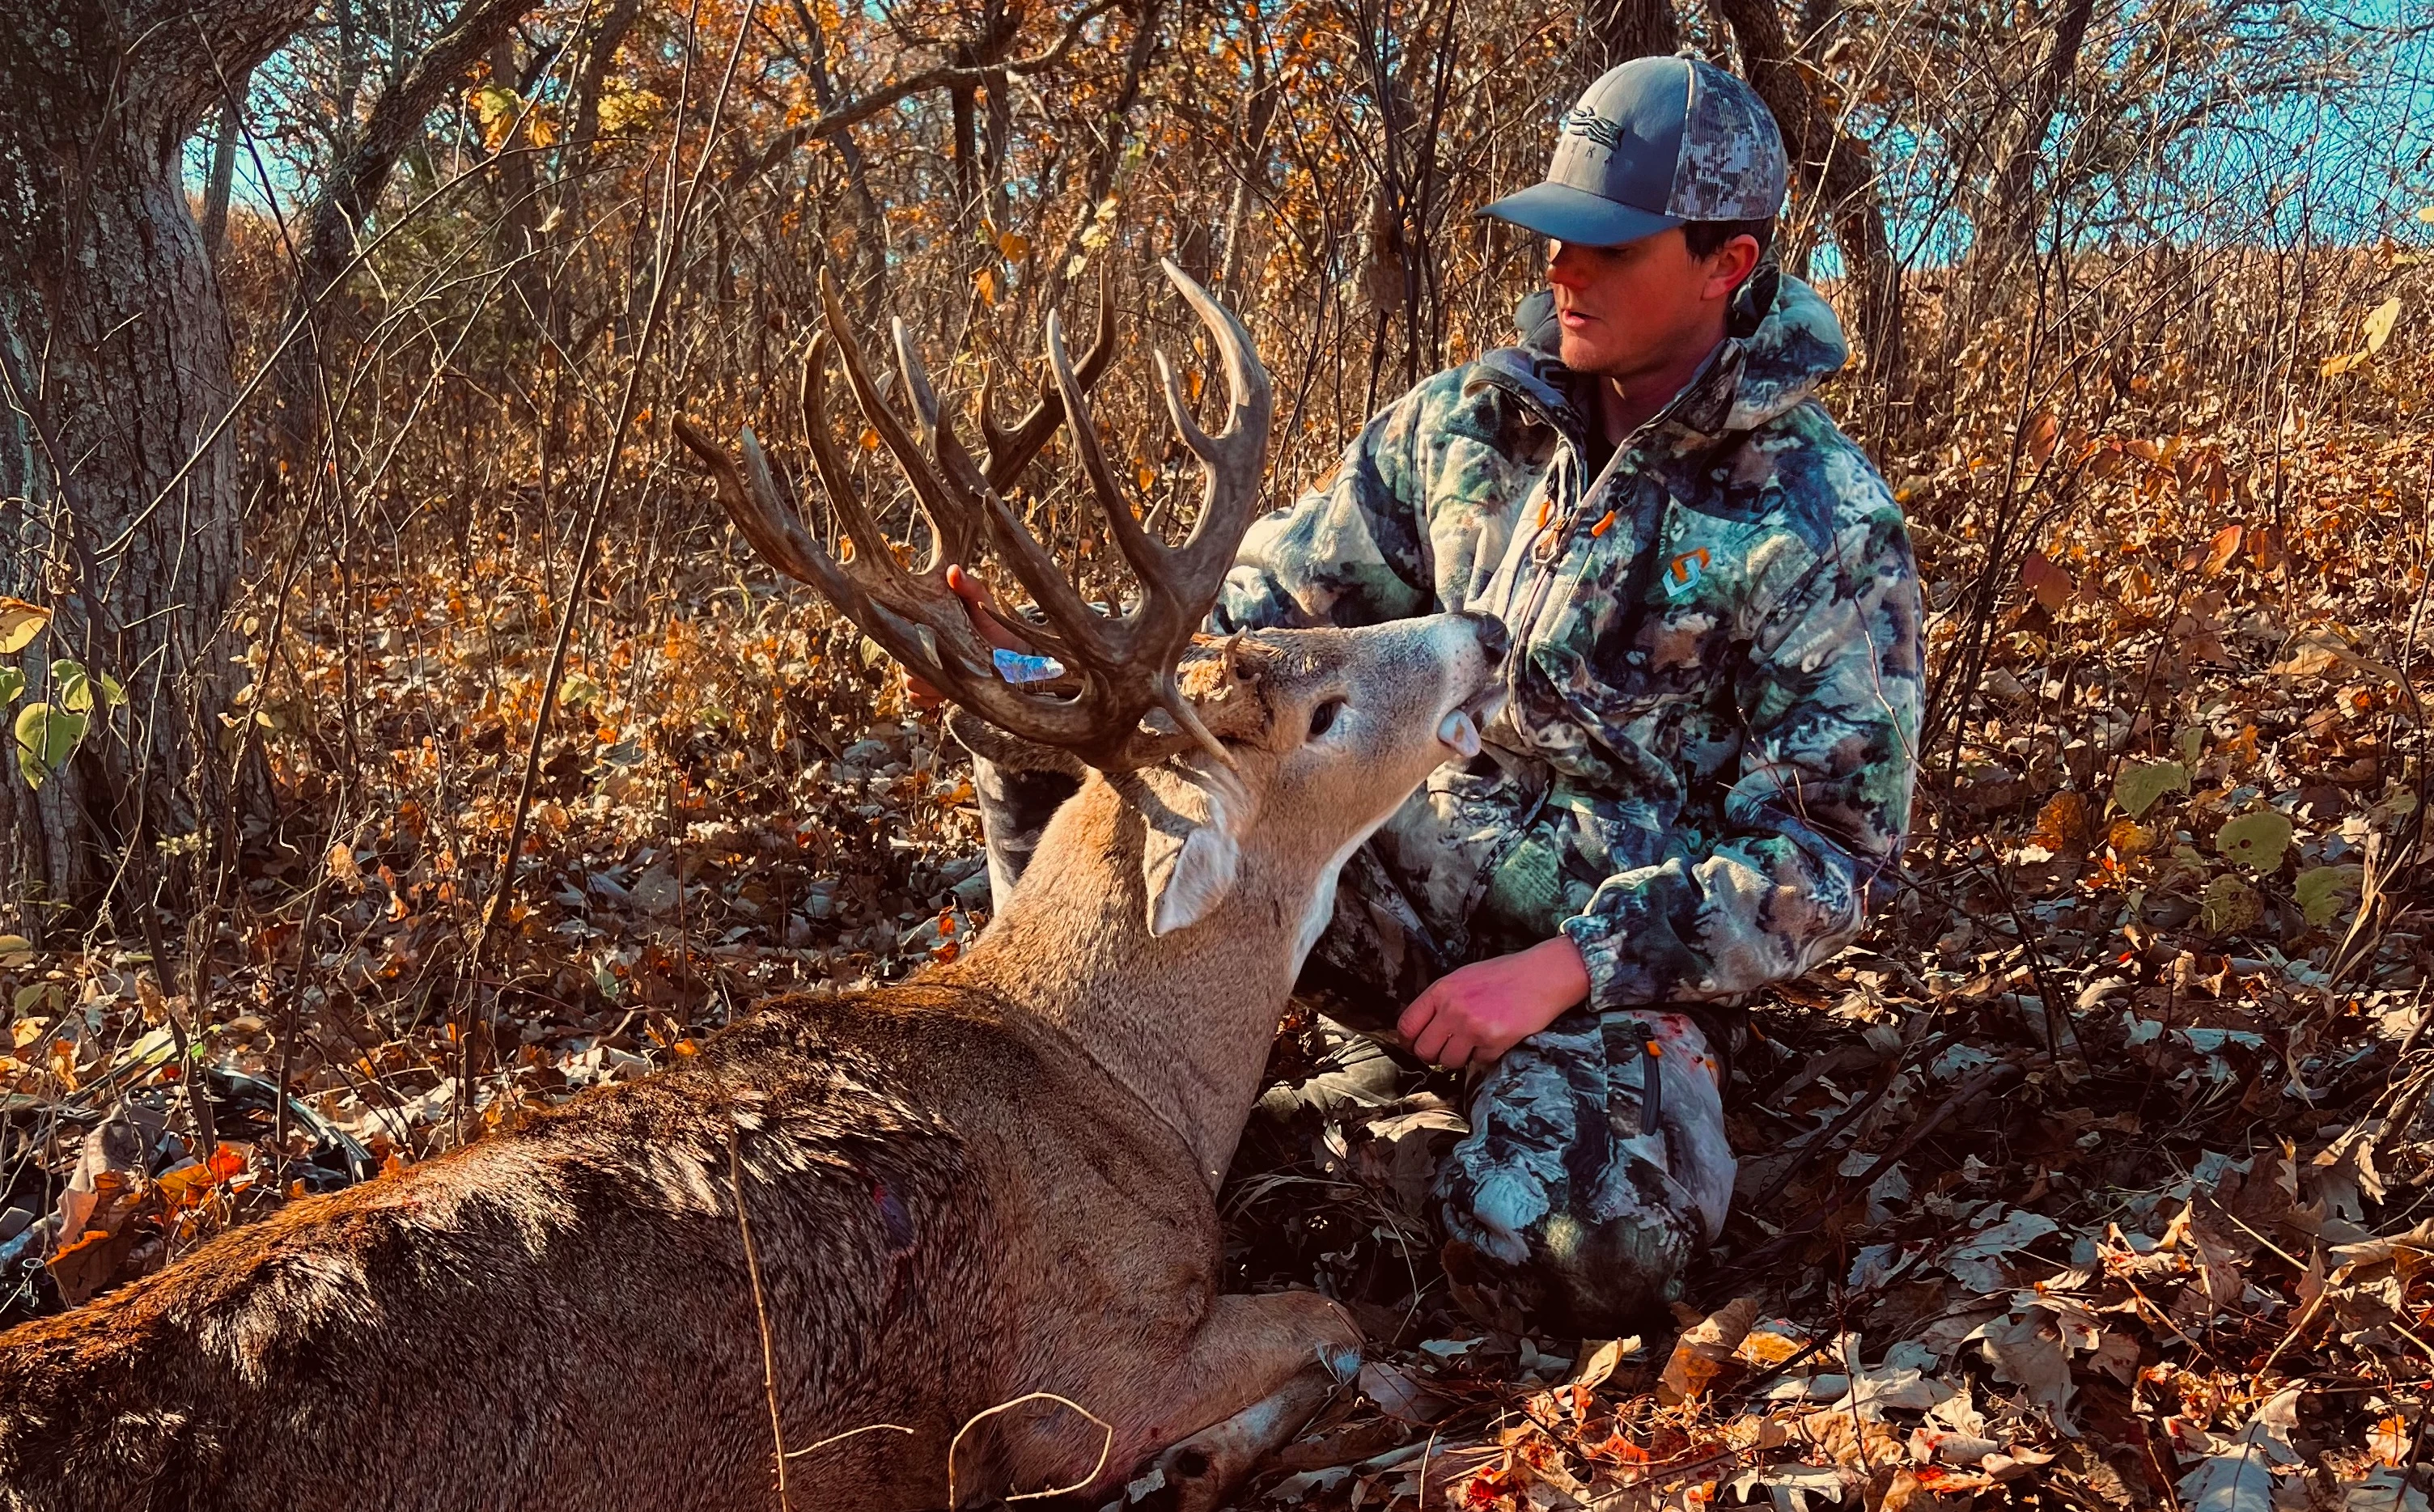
(1574, 1207)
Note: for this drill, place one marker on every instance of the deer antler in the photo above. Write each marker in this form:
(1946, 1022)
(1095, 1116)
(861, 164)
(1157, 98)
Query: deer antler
(1123, 663)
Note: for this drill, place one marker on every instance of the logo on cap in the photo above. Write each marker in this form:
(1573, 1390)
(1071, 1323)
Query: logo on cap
(1585, 122)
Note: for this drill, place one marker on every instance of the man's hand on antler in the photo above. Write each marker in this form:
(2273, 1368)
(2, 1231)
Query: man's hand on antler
(979, 605)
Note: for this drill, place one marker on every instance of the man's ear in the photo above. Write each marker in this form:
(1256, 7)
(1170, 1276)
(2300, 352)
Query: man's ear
(1196, 812)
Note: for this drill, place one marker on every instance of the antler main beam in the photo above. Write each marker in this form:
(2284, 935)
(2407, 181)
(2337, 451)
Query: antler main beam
(1124, 663)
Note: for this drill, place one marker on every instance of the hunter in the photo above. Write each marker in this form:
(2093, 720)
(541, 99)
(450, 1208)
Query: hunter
(1701, 780)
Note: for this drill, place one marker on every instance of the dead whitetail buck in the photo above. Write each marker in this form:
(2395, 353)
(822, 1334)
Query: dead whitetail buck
(993, 1182)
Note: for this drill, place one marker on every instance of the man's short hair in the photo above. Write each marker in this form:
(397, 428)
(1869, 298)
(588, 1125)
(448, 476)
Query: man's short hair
(1706, 238)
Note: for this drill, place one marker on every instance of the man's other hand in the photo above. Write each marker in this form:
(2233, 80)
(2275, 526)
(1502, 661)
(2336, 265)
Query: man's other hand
(985, 624)
(1480, 1011)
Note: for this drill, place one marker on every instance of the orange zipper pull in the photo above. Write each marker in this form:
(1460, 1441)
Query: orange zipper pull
(1606, 522)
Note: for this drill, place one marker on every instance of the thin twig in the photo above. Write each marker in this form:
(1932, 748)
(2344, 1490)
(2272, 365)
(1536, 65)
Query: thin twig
(760, 1308)
(662, 285)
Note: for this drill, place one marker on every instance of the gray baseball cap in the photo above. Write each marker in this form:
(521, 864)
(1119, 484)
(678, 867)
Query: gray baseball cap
(1655, 142)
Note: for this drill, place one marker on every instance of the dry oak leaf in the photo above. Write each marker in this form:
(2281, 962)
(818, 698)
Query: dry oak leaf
(2026, 1348)
(2048, 584)
(1703, 1352)
(2239, 1476)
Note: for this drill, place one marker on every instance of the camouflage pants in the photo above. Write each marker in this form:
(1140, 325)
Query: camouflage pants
(1596, 1170)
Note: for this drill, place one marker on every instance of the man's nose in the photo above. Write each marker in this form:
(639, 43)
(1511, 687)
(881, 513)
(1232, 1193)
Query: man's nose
(1563, 265)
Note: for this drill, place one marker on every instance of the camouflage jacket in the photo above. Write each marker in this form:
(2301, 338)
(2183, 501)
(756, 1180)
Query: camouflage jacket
(1706, 764)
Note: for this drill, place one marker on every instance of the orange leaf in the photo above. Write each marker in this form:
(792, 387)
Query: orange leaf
(2048, 584)
(2043, 431)
(2062, 824)
(228, 1161)
(2225, 546)
(89, 1264)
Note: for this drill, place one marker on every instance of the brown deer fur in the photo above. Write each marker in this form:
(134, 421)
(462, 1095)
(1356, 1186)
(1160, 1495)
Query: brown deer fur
(994, 1180)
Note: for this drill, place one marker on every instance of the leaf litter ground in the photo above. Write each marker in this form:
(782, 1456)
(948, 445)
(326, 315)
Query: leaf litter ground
(2096, 1175)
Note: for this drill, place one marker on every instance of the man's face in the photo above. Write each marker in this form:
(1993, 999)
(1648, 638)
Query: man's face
(1642, 308)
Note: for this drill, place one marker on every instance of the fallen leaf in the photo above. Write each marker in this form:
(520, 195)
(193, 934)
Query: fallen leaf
(2323, 893)
(1401, 1394)
(1704, 1350)
(2255, 839)
(2024, 1348)
(2138, 785)
(1598, 1359)
(2229, 907)
(2390, 1489)
(2240, 1478)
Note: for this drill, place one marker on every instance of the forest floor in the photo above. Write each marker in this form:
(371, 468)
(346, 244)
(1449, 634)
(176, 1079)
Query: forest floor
(2096, 1175)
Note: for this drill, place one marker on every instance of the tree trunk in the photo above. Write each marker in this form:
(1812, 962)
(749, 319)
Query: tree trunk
(354, 186)
(1617, 31)
(2010, 221)
(519, 226)
(118, 487)
(216, 193)
(1831, 170)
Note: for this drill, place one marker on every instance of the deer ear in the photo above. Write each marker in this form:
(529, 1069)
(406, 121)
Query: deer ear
(1192, 850)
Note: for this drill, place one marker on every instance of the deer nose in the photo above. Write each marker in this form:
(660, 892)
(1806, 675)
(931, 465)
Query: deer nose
(1493, 637)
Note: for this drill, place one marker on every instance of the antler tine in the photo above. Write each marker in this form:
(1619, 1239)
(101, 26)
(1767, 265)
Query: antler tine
(778, 535)
(773, 529)
(1127, 665)
(1010, 452)
(1232, 459)
(870, 539)
(932, 639)
(1148, 557)
(955, 535)
(936, 502)
(1174, 600)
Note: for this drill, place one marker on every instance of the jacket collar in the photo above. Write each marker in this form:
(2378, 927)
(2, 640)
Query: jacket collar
(1781, 341)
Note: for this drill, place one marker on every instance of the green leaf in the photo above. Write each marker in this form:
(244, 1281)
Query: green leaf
(12, 683)
(113, 692)
(15, 950)
(46, 737)
(2255, 839)
(2325, 892)
(70, 687)
(2229, 906)
(2141, 783)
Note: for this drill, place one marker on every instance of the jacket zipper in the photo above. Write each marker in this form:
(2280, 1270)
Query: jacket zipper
(1546, 552)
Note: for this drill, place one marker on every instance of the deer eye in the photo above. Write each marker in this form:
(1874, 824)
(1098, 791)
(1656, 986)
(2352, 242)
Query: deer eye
(1322, 719)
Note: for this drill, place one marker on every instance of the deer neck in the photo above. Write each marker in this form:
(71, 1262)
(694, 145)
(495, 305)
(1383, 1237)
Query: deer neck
(1185, 1019)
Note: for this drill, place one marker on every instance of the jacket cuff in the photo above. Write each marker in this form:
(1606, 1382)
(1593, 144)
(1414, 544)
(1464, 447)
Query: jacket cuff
(1617, 977)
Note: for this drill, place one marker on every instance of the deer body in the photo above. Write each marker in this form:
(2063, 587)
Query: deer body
(994, 1181)
(561, 1317)
(998, 1178)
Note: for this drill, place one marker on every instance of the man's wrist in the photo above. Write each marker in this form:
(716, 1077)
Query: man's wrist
(1558, 963)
